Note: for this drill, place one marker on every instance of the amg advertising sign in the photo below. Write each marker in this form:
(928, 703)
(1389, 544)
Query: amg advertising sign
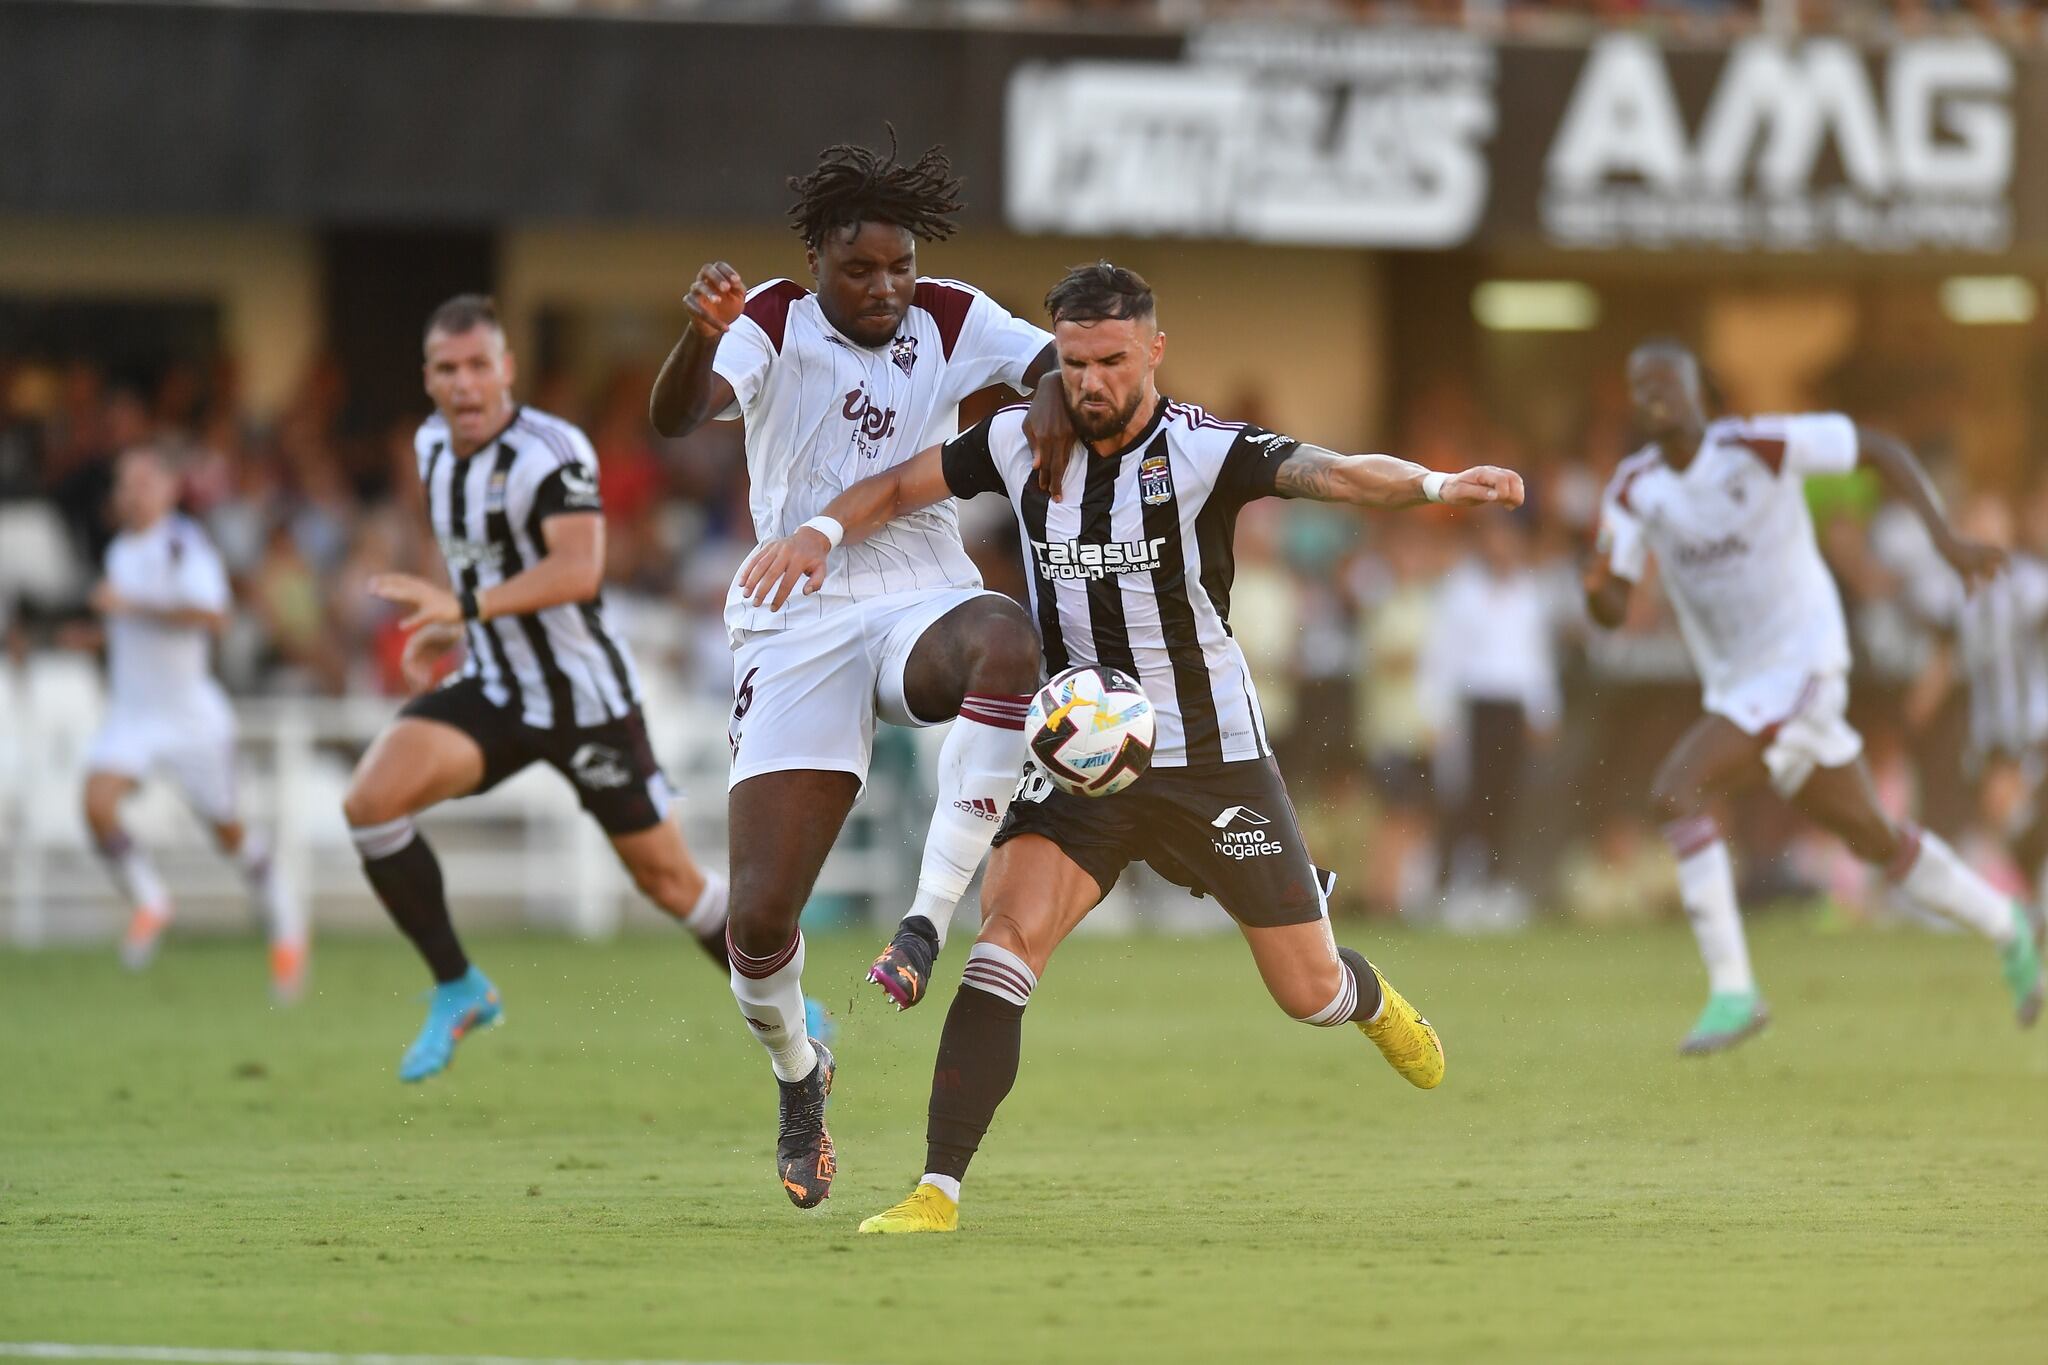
(1359, 138)
(1798, 148)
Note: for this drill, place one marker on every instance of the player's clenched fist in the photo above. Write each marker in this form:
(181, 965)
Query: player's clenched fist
(1483, 486)
(779, 565)
(716, 299)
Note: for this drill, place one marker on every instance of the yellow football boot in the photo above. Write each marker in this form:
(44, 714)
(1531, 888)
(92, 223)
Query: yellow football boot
(927, 1210)
(1406, 1039)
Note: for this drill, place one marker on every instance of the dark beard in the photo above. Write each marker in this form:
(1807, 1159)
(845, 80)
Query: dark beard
(1107, 427)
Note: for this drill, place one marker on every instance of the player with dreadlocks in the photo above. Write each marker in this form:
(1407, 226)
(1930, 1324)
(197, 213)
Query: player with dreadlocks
(834, 383)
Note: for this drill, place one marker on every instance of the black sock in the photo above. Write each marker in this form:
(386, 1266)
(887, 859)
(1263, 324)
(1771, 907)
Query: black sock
(409, 884)
(977, 1066)
(1368, 984)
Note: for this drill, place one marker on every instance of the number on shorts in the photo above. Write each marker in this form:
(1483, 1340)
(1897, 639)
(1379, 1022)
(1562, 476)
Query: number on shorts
(742, 703)
(1036, 785)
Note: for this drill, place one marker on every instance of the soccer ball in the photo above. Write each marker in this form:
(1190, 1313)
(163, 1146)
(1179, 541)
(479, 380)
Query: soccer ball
(1091, 730)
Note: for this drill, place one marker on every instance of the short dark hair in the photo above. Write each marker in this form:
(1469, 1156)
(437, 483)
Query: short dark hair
(461, 313)
(1098, 292)
(852, 185)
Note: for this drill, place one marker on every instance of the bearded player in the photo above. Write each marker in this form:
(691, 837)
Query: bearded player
(1721, 505)
(834, 383)
(1131, 570)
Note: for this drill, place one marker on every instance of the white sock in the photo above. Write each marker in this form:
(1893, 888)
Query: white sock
(1344, 1005)
(1929, 871)
(1706, 887)
(770, 991)
(135, 875)
(944, 1184)
(282, 911)
(1000, 972)
(978, 767)
(707, 917)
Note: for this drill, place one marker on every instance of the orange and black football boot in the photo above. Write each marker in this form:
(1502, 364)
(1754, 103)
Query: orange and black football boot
(904, 970)
(803, 1149)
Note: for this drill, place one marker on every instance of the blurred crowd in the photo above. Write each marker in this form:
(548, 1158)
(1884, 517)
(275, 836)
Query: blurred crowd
(2014, 20)
(1460, 743)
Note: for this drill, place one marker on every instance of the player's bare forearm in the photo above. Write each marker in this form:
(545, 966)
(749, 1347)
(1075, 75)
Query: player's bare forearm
(571, 571)
(200, 618)
(1385, 481)
(168, 612)
(777, 566)
(1904, 479)
(872, 503)
(1607, 594)
(687, 393)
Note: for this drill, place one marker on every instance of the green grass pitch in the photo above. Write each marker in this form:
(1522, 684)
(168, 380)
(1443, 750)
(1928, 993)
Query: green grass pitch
(1181, 1175)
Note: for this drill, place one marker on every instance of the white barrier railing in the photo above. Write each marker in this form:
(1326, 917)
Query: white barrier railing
(524, 851)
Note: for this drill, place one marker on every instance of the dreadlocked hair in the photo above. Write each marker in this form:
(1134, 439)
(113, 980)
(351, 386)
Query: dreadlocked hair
(854, 185)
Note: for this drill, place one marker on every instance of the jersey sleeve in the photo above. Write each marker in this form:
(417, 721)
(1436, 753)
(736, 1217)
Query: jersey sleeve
(1621, 538)
(1819, 443)
(558, 475)
(1252, 465)
(970, 463)
(566, 488)
(742, 360)
(984, 342)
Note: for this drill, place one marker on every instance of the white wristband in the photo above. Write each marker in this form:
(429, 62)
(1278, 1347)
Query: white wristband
(1433, 485)
(827, 527)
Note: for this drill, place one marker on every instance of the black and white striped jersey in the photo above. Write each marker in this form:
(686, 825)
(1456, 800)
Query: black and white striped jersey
(1132, 567)
(2000, 633)
(565, 666)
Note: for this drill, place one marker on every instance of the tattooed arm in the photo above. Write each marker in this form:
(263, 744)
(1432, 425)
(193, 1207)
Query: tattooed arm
(1384, 481)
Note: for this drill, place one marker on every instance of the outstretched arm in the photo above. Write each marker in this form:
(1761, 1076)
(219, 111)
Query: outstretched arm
(571, 570)
(1607, 593)
(1905, 480)
(687, 393)
(861, 510)
(1384, 481)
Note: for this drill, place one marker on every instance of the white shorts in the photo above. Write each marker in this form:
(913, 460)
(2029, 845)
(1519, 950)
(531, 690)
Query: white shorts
(807, 698)
(197, 755)
(1804, 716)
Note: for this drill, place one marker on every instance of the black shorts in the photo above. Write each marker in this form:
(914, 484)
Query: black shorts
(1225, 830)
(611, 766)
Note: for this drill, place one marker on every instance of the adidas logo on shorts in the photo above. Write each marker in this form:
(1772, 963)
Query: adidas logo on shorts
(980, 806)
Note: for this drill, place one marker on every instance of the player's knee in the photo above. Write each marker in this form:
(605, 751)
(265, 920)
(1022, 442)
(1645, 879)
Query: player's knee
(1004, 930)
(370, 803)
(101, 816)
(762, 912)
(1309, 994)
(1004, 655)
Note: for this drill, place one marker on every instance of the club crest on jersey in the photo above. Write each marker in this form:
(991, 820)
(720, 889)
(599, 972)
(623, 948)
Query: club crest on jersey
(494, 492)
(903, 350)
(1155, 481)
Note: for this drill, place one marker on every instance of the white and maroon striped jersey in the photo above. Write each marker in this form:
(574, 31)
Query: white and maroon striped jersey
(156, 668)
(1735, 545)
(1132, 567)
(823, 413)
